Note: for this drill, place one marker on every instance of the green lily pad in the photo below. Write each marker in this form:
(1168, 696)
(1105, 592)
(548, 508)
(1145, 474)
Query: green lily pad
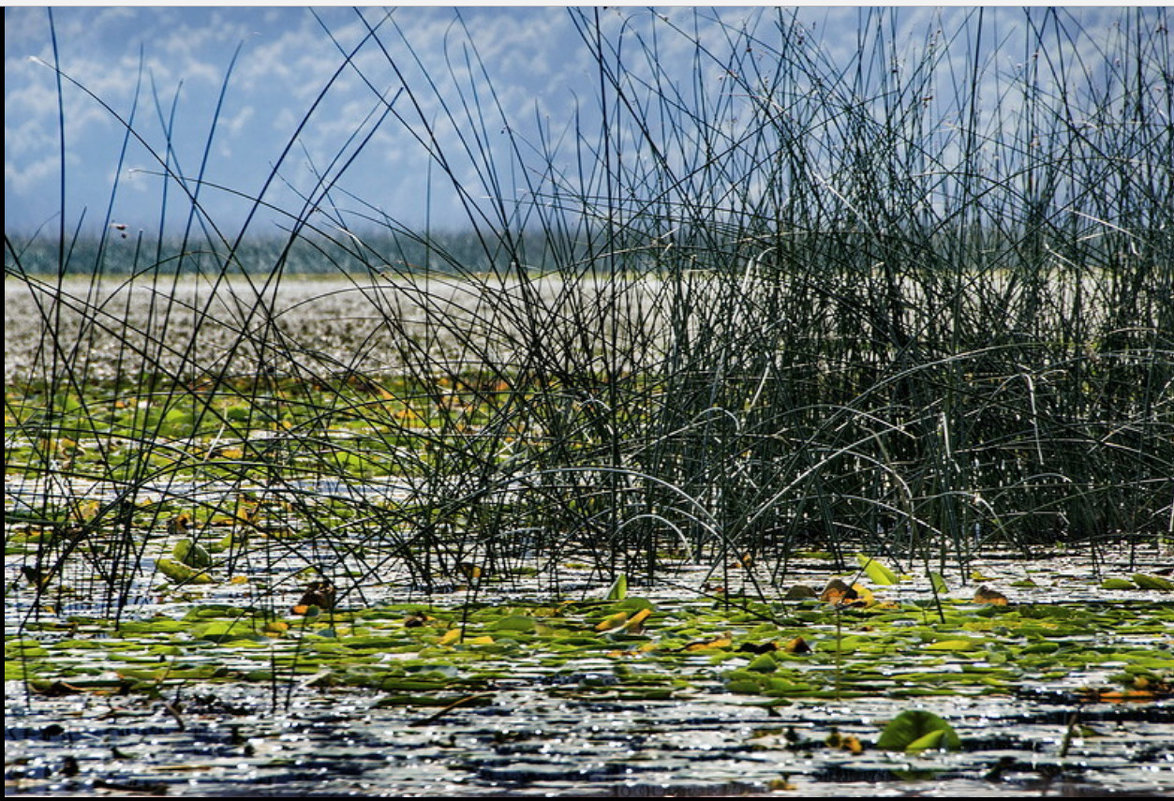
(763, 663)
(1148, 582)
(191, 554)
(879, 573)
(1041, 648)
(956, 645)
(926, 741)
(230, 632)
(619, 588)
(519, 623)
(916, 730)
(179, 572)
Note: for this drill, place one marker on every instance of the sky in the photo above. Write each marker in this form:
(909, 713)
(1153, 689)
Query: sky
(263, 102)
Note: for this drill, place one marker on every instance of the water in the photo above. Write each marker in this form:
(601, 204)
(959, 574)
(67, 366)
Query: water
(581, 727)
(525, 743)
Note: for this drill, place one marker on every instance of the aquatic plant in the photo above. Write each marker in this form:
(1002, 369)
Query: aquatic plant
(848, 306)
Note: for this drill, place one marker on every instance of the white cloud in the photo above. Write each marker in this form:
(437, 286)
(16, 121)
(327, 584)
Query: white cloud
(539, 66)
(29, 176)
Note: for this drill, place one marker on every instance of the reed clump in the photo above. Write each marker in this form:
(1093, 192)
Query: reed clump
(915, 308)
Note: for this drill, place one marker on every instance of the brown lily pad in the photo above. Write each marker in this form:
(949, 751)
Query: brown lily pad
(985, 595)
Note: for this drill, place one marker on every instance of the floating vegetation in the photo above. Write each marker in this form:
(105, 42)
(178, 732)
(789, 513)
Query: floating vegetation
(933, 676)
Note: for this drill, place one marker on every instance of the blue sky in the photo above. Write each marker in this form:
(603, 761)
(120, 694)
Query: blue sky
(177, 58)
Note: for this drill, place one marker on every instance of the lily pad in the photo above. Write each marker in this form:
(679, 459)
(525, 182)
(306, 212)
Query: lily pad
(179, 572)
(619, 588)
(191, 554)
(916, 730)
(519, 623)
(1148, 582)
(878, 572)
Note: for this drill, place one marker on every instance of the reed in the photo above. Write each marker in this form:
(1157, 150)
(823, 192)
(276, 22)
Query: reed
(917, 309)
